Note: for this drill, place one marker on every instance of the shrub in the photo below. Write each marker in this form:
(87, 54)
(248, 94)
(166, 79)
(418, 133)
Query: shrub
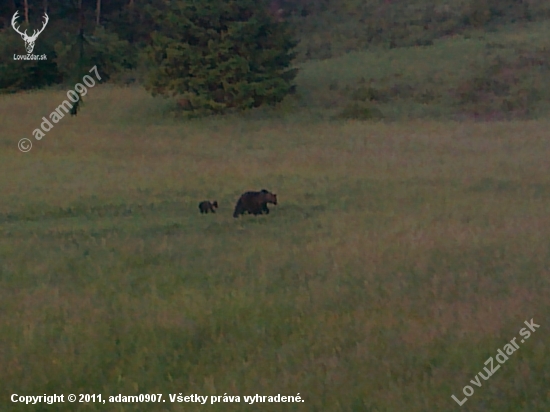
(513, 85)
(359, 111)
(364, 94)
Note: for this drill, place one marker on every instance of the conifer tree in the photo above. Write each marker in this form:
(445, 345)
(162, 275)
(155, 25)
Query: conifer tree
(219, 54)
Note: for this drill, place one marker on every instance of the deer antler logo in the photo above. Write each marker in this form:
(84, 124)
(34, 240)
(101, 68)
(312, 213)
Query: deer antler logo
(29, 40)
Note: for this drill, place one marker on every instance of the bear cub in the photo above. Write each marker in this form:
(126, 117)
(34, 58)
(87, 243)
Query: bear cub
(207, 206)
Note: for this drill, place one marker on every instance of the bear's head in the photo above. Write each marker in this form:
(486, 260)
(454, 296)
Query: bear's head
(269, 197)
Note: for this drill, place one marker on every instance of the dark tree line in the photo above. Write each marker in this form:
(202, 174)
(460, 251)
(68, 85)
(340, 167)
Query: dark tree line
(175, 49)
(237, 54)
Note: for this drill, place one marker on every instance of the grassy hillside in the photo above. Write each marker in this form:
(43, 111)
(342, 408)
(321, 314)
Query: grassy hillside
(401, 255)
(502, 74)
(330, 28)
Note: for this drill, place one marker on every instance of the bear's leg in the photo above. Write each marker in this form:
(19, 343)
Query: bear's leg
(258, 210)
(238, 209)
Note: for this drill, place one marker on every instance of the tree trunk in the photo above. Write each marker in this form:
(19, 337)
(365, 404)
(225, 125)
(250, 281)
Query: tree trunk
(80, 39)
(131, 19)
(26, 5)
(97, 12)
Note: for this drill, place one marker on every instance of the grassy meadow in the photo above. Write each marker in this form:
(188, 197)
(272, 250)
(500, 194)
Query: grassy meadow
(401, 255)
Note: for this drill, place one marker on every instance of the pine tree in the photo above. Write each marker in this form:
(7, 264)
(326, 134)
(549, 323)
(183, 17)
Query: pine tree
(218, 54)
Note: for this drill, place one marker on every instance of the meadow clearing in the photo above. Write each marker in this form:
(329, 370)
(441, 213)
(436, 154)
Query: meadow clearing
(400, 257)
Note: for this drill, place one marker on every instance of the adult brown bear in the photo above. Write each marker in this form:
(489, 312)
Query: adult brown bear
(207, 206)
(255, 203)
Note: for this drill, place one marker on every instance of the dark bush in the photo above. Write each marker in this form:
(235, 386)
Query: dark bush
(364, 94)
(358, 111)
(512, 85)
